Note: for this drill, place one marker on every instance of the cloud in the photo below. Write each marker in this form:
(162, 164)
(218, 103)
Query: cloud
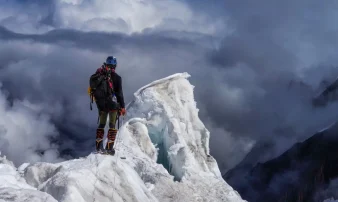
(328, 192)
(34, 16)
(105, 16)
(259, 81)
(26, 132)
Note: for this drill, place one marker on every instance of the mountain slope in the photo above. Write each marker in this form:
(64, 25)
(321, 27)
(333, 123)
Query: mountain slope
(329, 94)
(299, 174)
(167, 156)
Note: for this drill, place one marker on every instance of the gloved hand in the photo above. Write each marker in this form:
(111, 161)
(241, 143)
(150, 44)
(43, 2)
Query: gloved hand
(123, 111)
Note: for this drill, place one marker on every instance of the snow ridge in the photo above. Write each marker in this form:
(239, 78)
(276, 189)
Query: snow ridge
(167, 157)
(13, 186)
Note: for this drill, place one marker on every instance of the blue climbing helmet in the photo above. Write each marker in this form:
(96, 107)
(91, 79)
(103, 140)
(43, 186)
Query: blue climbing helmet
(111, 61)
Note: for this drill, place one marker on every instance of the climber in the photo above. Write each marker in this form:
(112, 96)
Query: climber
(106, 89)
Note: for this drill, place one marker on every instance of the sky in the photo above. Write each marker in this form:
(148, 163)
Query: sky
(255, 67)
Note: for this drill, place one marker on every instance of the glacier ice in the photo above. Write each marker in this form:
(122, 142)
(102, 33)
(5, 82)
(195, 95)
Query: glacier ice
(171, 117)
(167, 157)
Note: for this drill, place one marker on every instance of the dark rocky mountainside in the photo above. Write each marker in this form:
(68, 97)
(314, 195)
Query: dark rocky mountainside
(295, 176)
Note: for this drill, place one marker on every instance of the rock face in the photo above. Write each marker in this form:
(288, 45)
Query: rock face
(298, 175)
(329, 94)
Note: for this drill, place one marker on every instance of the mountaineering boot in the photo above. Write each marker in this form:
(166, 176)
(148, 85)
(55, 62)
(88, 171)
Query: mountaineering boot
(99, 139)
(111, 139)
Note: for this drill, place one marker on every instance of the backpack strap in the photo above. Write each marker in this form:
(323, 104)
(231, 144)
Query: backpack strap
(91, 101)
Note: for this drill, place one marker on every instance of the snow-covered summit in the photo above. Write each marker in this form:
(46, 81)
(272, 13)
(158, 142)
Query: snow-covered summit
(167, 157)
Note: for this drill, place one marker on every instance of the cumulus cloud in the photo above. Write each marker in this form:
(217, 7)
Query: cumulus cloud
(26, 132)
(34, 16)
(106, 16)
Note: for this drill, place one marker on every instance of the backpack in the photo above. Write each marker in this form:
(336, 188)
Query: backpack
(102, 90)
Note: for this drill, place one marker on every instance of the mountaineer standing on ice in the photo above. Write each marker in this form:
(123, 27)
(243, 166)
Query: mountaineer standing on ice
(106, 89)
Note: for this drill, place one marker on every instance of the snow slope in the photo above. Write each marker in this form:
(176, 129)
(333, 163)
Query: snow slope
(167, 157)
(13, 187)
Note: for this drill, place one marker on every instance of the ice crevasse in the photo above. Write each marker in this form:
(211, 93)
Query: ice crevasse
(166, 147)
